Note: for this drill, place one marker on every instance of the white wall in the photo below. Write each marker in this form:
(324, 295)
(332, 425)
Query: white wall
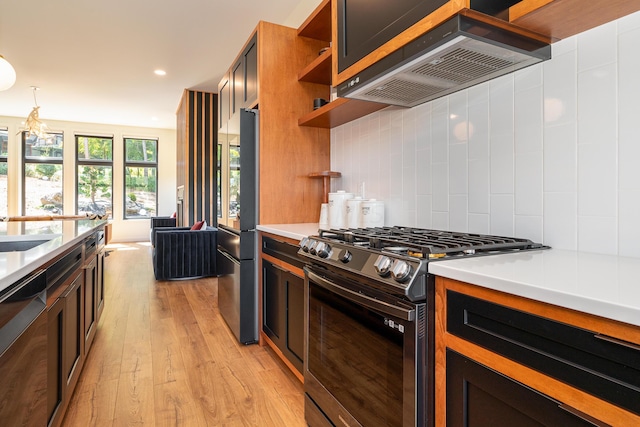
(550, 153)
(123, 230)
(301, 12)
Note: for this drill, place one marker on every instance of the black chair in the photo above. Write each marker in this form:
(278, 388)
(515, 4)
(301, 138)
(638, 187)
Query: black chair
(160, 221)
(182, 253)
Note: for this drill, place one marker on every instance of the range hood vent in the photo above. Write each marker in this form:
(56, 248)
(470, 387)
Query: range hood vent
(457, 54)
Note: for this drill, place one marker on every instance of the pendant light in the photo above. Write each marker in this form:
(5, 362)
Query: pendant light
(33, 124)
(7, 74)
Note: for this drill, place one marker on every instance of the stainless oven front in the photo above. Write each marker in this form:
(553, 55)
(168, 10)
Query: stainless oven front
(367, 361)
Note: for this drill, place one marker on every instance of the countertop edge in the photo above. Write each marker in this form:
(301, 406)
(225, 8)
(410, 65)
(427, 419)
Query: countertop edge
(292, 231)
(30, 266)
(489, 279)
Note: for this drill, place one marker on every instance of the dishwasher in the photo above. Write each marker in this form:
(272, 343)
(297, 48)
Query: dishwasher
(23, 351)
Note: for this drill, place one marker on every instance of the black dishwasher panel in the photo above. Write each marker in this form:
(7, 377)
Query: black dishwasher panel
(579, 357)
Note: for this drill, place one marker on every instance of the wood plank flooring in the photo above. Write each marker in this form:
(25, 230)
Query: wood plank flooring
(163, 356)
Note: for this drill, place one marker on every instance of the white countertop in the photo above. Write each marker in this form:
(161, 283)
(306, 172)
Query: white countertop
(60, 236)
(604, 285)
(292, 231)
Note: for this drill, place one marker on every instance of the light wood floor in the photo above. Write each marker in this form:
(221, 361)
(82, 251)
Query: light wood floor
(163, 356)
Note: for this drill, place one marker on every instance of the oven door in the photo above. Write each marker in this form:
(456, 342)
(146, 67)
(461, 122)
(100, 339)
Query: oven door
(365, 354)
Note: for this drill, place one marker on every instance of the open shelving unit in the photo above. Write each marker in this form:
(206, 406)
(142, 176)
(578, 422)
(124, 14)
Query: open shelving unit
(341, 110)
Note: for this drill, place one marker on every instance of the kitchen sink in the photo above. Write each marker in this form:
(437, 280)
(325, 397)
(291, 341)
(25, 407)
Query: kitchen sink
(23, 243)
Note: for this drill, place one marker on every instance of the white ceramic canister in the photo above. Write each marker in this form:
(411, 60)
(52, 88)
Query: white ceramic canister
(353, 212)
(338, 208)
(372, 213)
(324, 216)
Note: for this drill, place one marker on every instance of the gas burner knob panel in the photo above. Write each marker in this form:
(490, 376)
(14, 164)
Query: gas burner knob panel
(323, 250)
(304, 244)
(401, 270)
(345, 256)
(312, 247)
(383, 265)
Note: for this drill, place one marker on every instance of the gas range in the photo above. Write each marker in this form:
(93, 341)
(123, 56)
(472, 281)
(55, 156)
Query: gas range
(394, 259)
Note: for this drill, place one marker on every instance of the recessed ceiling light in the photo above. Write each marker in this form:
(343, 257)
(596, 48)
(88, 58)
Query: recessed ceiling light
(160, 72)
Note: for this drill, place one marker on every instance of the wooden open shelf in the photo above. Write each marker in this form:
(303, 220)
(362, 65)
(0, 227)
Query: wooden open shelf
(339, 112)
(319, 71)
(318, 24)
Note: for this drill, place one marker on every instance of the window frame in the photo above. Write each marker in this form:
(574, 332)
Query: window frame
(4, 160)
(27, 160)
(138, 164)
(91, 162)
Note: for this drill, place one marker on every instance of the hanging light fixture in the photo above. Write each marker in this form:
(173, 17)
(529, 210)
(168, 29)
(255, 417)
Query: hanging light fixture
(33, 124)
(7, 74)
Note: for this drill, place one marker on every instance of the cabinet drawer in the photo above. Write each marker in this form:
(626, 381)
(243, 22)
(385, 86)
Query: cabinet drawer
(480, 396)
(596, 364)
(282, 250)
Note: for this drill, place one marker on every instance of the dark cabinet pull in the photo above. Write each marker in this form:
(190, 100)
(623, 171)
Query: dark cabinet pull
(617, 341)
(582, 415)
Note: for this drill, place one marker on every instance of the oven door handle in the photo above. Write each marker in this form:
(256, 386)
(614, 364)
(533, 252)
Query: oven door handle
(367, 301)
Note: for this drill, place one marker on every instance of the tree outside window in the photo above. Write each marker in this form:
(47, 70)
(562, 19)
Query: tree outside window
(95, 177)
(141, 177)
(42, 174)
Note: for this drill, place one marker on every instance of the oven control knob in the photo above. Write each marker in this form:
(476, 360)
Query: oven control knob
(401, 270)
(382, 265)
(312, 247)
(345, 256)
(304, 244)
(323, 250)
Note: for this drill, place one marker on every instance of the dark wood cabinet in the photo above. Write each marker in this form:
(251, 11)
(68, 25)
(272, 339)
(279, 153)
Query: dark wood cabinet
(90, 301)
(481, 397)
(75, 288)
(73, 331)
(283, 311)
(224, 102)
(295, 317)
(282, 300)
(100, 285)
(55, 383)
(273, 304)
(502, 359)
(244, 78)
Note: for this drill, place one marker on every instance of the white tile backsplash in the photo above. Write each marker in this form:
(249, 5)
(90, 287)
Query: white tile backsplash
(549, 153)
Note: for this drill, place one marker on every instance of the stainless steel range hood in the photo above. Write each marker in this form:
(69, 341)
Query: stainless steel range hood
(455, 55)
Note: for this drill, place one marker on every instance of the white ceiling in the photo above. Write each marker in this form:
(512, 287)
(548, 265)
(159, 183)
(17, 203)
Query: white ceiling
(94, 60)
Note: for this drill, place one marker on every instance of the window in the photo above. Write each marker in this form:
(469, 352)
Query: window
(42, 174)
(140, 177)
(95, 175)
(4, 142)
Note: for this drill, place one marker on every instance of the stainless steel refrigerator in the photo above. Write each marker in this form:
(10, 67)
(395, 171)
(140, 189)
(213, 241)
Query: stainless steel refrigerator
(237, 240)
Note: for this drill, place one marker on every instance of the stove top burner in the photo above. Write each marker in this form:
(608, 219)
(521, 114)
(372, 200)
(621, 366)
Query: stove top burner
(395, 259)
(426, 243)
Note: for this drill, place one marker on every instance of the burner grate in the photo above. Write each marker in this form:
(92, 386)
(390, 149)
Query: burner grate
(426, 243)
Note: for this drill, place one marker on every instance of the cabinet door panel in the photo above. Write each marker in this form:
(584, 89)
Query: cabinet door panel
(250, 55)
(100, 285)
(73, 335)
(273, 302)
(478, 396)
(237, 89)
(55, 381)
(295, 316)
(90, 302)
(573, 355)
